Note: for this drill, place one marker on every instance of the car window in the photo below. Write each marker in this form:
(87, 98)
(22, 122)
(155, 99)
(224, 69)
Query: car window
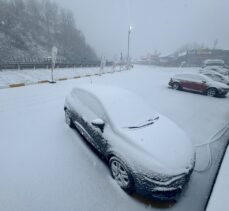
(93, 104)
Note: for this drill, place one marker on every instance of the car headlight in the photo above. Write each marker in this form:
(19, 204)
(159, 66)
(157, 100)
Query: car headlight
(222, 90)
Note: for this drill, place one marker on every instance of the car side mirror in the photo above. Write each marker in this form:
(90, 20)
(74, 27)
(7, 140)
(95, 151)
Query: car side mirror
(99, 123)
(204, 82)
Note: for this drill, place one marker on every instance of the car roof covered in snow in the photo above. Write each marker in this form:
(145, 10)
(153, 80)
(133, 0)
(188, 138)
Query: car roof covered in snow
(104, 91)
(122, 106)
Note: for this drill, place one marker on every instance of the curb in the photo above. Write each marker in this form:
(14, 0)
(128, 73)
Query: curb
(62, 79)
(15, 85)
(42, 82)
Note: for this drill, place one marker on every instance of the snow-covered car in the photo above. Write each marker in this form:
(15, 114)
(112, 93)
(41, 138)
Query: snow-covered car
(146, 152)
(216, 76)
(217, 69)
(214, 62)
(199, 83)
(216, 65)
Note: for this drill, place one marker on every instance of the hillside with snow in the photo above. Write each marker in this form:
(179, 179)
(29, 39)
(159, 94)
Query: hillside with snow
(29, 29)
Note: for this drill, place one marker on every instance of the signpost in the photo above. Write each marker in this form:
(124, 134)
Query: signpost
(102, 64)
(54, 55)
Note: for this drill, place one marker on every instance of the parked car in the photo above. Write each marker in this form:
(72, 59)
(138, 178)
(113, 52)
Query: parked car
(216, 76)
(214, 62)
(217, 69)
(199, 83)
(216, 65)
(146, 152)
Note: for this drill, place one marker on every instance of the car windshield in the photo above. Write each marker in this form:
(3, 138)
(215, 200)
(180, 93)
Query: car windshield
(129, 111)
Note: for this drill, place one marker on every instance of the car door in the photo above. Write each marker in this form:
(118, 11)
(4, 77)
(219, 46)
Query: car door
(94, 111)
(199, 83)
(187, 82)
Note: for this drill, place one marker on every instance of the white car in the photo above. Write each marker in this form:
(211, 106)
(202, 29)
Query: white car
(146, 152)
(216, 76)
(217, 69)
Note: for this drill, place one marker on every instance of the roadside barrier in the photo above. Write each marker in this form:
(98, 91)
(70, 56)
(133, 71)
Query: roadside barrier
(16, 85)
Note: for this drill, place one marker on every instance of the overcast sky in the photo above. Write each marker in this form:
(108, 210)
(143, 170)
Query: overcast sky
(162, 25)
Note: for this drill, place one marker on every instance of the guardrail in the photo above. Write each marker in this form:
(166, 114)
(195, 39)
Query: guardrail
(47, 65)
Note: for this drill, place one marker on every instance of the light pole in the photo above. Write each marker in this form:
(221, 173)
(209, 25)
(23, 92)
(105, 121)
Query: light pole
(128, 51)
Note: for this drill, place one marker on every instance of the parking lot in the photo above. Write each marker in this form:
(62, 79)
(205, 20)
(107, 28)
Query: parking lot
(45, 165)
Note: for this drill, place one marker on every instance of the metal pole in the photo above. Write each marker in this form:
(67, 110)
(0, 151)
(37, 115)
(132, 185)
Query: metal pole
(128, 52)
(52, 72)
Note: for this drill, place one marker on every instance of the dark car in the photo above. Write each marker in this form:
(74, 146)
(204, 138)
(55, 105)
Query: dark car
(199, 83)
(146, 152)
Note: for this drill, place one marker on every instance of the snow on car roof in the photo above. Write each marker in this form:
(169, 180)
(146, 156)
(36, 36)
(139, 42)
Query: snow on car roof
(102, 91)
(214, 61)
(187, 74)
(122, 106)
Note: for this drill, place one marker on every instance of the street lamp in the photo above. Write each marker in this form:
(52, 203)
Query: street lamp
(128, 52)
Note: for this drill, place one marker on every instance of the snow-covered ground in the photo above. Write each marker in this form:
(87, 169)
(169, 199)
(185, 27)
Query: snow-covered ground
(45, 165)
(30, 76)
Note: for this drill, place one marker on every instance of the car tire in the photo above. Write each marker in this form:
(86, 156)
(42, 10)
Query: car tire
(121, 174)
(176, 86)
(68, 119)
(212, 92)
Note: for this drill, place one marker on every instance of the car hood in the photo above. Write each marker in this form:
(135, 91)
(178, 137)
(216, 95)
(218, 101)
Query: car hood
(164, 142)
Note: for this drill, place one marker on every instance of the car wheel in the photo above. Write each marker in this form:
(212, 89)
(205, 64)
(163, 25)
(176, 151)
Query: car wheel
(176, 86)
(211, 92)
(68, 119)
(121, 174)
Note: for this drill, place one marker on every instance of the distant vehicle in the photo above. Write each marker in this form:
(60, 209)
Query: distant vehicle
(214, 62)
(222, 70)
(199, 83)
(146, 152)
(216, 65)
(216, 76)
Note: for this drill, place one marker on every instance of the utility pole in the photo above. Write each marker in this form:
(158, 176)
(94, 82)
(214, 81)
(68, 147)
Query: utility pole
(128, 50)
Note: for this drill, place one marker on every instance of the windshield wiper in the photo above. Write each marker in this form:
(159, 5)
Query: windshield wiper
(147, 123)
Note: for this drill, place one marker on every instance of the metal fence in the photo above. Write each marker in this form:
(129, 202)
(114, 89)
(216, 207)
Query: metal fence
(37, 63)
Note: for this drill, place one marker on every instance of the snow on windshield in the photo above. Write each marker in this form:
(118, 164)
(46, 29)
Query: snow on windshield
(125, 109)
(122, 106)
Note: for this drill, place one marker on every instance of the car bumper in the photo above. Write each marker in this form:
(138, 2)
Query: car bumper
(160, 190)
(223, 91)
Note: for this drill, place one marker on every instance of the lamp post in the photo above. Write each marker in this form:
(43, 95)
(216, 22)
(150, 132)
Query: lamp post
(128, 51)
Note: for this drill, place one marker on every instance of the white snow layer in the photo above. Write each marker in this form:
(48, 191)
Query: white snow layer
(45, 165)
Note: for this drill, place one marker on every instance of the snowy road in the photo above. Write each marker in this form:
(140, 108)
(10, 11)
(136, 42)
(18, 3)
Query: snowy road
(45, 165)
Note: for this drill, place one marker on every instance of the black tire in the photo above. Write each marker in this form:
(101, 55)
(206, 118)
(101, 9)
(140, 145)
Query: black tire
(127, 181)
(212, 92)
(68, 119)
(176, 86)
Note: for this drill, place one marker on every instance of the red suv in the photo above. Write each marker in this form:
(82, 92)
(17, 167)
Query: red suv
(198, 83)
